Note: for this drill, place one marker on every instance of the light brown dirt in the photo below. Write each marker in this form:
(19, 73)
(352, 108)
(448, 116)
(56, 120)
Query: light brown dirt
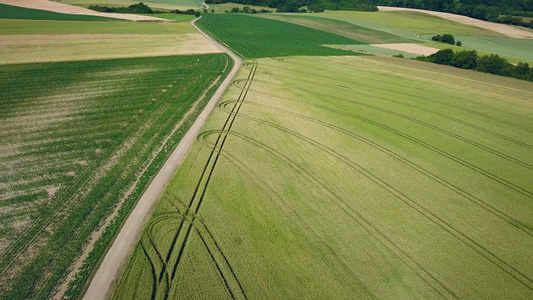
(408, 47)
(499, 28)
(76, 10)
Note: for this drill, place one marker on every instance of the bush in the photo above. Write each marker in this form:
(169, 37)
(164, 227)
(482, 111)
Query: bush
(443, 57)
(459, 43)
(489, 63)
(445, 38)
(465, 59)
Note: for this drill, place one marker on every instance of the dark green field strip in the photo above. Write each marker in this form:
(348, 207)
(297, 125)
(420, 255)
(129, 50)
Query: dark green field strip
(343, 28)
(149, 115)
(253, 37)
(16, 12)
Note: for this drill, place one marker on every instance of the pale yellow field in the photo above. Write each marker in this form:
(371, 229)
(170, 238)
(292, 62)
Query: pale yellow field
(26, 48)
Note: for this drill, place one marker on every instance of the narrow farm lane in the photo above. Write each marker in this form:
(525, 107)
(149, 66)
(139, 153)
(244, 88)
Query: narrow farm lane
(130, 233)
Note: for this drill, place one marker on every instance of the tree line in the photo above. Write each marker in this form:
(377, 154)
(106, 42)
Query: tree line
(312, 5)
(469, 59)
(488, 10)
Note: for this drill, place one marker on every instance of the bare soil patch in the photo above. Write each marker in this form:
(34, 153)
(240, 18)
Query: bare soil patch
(409, 47)
(76, 10)
(499, 28)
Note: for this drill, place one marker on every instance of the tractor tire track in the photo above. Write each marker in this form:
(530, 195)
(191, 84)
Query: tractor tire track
(268, 190)
(353, 214)
(180, 239)
(462, 162)
(443, 224)
(461, 192)
(320, 71)
(414, 120)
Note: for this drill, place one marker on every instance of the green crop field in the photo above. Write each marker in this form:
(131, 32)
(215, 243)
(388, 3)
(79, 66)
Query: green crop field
(15, 12)
(521, 49)
(254, 37)
(349, 177)
(79, 141)
(363, 34)
(407, 24)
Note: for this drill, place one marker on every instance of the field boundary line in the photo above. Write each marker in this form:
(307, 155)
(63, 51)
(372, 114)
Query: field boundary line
(129, 234)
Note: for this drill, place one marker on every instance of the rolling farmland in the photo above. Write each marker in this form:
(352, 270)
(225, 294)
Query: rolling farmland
(80, 141)
(253, 37)
(155, 4)
(24, 41)
(15, 12)
(384, 178)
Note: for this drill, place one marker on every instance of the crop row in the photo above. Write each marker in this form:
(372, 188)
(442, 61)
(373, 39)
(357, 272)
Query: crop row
(100, 181)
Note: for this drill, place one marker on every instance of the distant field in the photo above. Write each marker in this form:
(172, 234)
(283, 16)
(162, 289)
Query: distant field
(175, 17)
(78, 27)
(45, 41)
(15, 12)
(254, 37)
(349, 177)
(79, 139)
(223, 7)
(521, 49)
(343, 28)
(406, 24)
(154, 4)
(69, 47)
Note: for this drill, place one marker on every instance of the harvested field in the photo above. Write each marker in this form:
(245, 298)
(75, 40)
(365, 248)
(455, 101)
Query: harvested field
(76, 10)
(381, 178)
(154, 4)
(17, 12)
(67, 47)
(409, 48)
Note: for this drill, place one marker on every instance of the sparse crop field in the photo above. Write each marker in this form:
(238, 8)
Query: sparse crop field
(78, 142)
(15, 12)
(24, 41)
(253, 37)
(349, 177)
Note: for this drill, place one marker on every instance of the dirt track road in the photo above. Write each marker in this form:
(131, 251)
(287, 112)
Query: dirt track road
(129, 235)
(76, 10)
(504, 29)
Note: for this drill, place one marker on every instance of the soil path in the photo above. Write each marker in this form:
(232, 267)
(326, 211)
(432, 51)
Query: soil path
(504, 29)
(76, 10)
(130, 233)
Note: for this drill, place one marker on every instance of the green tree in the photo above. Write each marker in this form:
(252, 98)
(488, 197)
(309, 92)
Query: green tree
(465, 59)
(443, 57)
